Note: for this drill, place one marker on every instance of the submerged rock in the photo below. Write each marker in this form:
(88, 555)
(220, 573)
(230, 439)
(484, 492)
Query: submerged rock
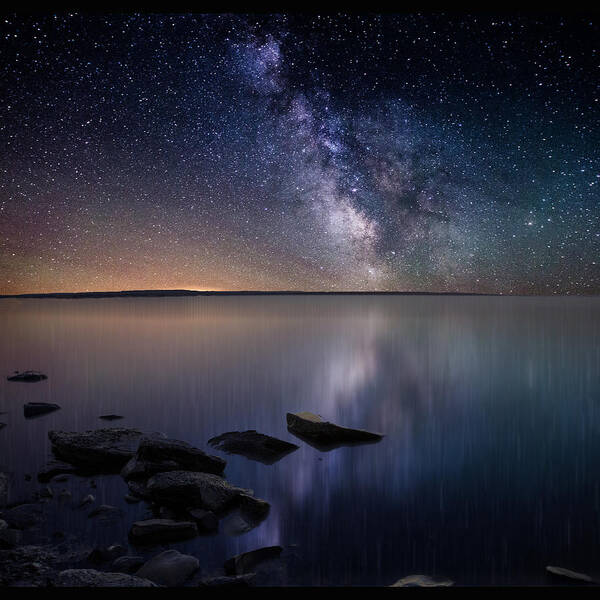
(106, 450)
(53, 468)
(253, 445)
(92, 578)
(421, 581)
(188, 488)
(227, 582)
(560, 572)
(161, 530)
(27, 376)
(245, 563)
(169, 568)
(35, 409)
(313, 427)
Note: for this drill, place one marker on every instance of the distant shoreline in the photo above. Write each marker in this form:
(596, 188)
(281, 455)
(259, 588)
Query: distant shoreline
(183, 293)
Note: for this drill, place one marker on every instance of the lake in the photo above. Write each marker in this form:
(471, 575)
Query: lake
(490, 406)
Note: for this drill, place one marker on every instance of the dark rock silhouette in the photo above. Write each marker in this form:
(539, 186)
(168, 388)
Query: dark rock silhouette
(246, 562)
(152, 531)
(27, 376)
(253, 445)
(35, 409)
(169, 568)
(110, 417)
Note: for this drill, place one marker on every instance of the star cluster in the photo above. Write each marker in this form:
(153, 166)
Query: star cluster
(433, 152)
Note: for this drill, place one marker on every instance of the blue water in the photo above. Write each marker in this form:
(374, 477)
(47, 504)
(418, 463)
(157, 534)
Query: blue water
(489, 471)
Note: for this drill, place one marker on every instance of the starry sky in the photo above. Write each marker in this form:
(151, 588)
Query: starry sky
(416, 152)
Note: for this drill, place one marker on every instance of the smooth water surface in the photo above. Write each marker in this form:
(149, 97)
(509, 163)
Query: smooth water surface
(489, 471)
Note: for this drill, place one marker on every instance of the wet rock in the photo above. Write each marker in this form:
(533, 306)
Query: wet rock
(92, 578)
(228, 582)
(206, 520)
(89, 499)
(105, 511)
(27, 376)
(102, 554)
(566, 573)
(154, 531)
(24, 516)
(169, 568)
(313, 427)
(421, 581)
(127, 564)
(246, 562)
(110, 417)
(104, 450)
(36, 409)
(187, 488)
(54, 468)
(187, 457)
(253, 445)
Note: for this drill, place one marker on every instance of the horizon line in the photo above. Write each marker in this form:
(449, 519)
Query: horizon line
(186, 292)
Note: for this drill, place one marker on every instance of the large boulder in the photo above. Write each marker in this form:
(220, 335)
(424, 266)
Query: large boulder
(170, 568)
(106, 450)
(313, 427)
(154, 531)
(194, 490)
(253, 445)
(246, 562)
(186, 456)
(92, 578)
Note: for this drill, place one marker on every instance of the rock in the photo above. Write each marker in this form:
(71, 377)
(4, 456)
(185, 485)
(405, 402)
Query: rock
(105, 511)
(245, 563)
(313, 427)
(35, 409)
(64, 494)
(2, 425)
(89, 499)
(206, 520)
(253, 445)
(53, 468)
(24, 516)
(110, 417)
(27, 376)
(3, 489)
(161, 530)
(46, 492)
(421, 581)
(144, 469)
(253, 508)
(138, 488)
(92, 578)
(569, 574)
(131, 499)
(105, 450)
(169, 568)
(127, 564)
(227, 582)
(183, 454)
(187, 488)
(9, 538)
(102, 554)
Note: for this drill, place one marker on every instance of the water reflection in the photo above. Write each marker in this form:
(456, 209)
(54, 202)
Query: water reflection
(490, 465)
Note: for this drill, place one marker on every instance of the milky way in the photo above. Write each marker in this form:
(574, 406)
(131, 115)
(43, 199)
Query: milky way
(230, 152)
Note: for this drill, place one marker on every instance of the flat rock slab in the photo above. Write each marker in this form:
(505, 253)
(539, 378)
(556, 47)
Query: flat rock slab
(191, 489)
(560, 572)
(169, 568)
(154, 531)
(253, 445)
(246, 562)
(315, 428)
(35, 409)
(105, 450)
(422, 581)
(92, 578)
(27, 376)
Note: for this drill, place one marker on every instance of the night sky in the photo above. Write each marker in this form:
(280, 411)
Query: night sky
(300, 152)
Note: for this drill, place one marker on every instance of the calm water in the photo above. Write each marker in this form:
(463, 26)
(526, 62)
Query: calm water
(490, 468)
